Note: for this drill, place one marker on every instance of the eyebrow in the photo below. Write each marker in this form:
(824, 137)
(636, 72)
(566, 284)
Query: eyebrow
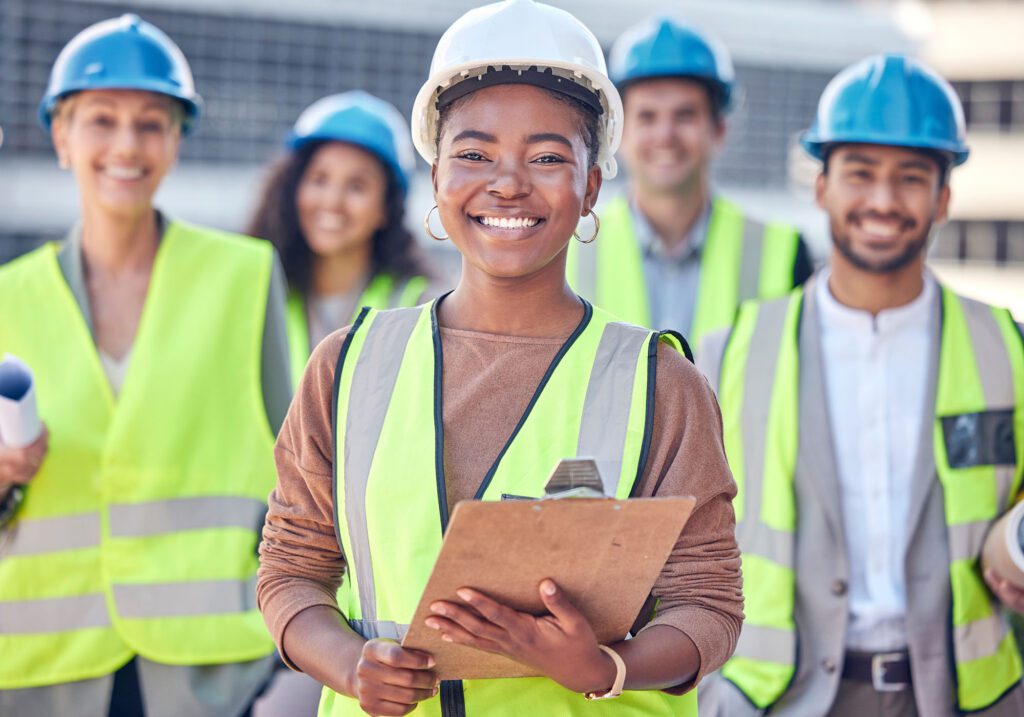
(530, 139)
(548, 137)
(859, 158)
(474, 134)
(922, 164)
(155, 105)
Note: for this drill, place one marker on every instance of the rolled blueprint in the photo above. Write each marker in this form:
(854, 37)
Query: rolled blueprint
(1004, 546)
(19, 419)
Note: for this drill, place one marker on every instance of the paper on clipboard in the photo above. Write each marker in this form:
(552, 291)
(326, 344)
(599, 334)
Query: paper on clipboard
(19, 418)
(604, 553)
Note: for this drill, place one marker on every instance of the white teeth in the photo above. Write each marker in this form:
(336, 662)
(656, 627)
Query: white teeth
(124, 173)
(509, 222)
(329, 222)
(880, 228)
(665, 157)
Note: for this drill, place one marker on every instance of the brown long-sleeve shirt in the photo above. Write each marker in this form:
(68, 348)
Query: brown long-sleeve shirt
(488, 380)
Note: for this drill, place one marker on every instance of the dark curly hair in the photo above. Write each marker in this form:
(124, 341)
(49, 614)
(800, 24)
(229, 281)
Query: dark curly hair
(276, 219)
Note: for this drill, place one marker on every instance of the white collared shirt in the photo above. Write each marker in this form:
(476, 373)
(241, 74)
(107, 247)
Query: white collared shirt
(876, 371)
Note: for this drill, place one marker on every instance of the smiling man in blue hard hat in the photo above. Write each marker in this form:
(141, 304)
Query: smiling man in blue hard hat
(673, 253)
(874, 423)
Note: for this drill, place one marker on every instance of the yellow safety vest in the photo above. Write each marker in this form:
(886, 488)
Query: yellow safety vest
(390, 479)
(139, 533)
(741, 259)
(383, 292)
(979, 458)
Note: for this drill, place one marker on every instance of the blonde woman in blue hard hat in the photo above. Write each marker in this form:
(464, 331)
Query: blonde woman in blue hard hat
(877, 419)
(160, 359)
(334, 207)
(478, 394)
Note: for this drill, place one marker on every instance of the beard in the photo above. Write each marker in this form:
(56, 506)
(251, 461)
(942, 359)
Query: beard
(910, 253)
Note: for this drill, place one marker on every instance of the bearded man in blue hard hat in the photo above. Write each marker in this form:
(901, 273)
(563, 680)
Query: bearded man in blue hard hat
(673, 253)
(874, 422)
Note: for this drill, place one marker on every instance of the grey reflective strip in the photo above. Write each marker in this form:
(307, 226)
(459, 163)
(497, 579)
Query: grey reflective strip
(767, 542)
(980, 638)
(606, 407)
(766, 644)
(995, 372)
(132, 520)
(759, 381)
(373, 382)
(966, 539)
(750, 259)
(370, 629)
(585, 281)
(25, 617)
(36, 536)
(185, 599)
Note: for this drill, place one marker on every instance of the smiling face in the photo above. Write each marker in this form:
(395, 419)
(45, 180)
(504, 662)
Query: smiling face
(341, 199)
(670, 134)
(512, 180)
(882, 202)
(119, 144)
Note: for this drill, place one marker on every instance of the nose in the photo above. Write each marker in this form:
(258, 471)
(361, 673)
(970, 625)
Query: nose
(882, 198)
(663, 131)
(510, 180)
(126, 140)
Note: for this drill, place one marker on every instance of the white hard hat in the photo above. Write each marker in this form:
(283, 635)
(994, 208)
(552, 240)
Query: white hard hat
(497, 43)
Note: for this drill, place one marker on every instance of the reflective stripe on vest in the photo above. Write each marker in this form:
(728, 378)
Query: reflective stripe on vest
(979, 413)
(383, 292)
(390, 496)
(139, 533)
(741, 259)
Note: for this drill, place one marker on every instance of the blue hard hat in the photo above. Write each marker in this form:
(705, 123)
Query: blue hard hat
(892, 100)
(664, 47)
(361, 119)
(125, 53)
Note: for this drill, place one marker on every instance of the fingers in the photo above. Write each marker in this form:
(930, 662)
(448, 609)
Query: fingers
(20, 465)
(1010, 596)
(454, 632)
(469, 619)
(392, 654)
(392, 680)
(559, 605)
(490, 609)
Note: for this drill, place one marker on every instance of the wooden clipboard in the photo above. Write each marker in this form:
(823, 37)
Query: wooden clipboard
(606, 554)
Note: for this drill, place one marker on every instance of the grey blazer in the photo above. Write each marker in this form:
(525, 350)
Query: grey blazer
(822, 573)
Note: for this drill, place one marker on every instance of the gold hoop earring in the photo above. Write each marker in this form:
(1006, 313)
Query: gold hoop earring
(597, 228)
(426, 225)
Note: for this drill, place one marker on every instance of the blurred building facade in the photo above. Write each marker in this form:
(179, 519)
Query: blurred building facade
(258, 63)
(977, 45)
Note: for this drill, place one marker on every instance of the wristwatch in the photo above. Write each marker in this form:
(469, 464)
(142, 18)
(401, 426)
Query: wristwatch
(620, 677)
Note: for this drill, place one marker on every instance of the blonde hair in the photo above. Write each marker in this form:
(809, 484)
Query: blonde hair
(64, 109)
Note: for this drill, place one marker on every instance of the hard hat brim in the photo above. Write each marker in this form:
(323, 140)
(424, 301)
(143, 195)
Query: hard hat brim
(818, 147)
(193, 104)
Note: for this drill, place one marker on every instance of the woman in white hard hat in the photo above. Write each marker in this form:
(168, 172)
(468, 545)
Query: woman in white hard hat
(477, 395)
(334, 207)
(160, 358)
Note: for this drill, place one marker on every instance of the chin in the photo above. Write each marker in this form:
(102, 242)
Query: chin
(122, 206)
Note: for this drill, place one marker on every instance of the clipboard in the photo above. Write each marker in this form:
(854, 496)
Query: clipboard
(604, 553)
